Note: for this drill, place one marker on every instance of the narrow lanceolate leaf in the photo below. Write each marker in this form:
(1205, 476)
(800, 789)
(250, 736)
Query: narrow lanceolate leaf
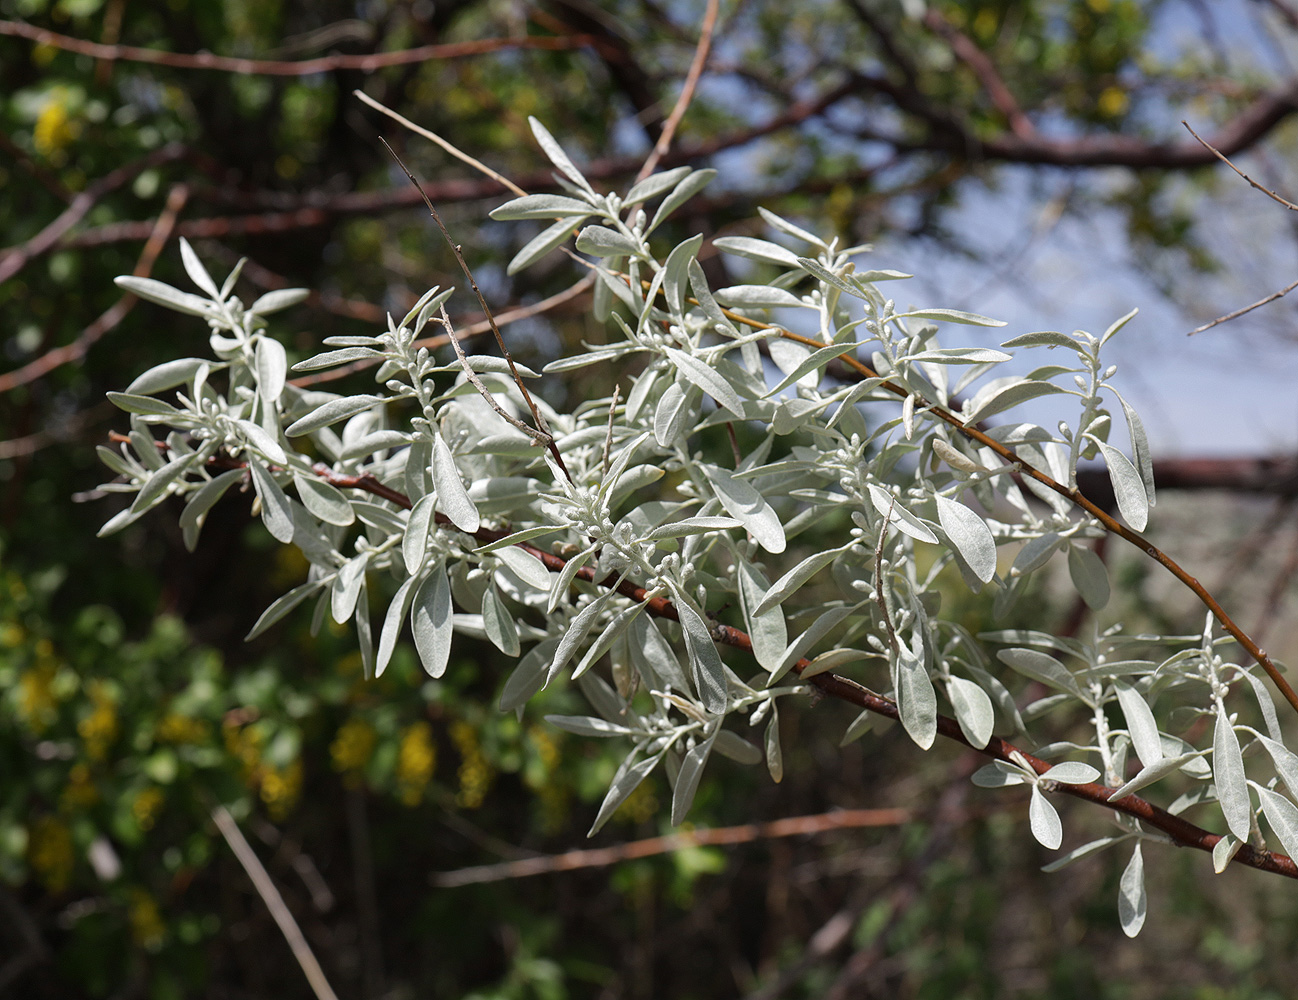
(655, 656)
(277, 299)
(393, 620)
(587, 725)
(167, 375)
(275, 510)
(916, 700)
(263, 442)
(818, 270)
(498, 623)
(705, 662)
(973, 710)
(347, 587)
(414, 544)
(143, 405)
(774, 755)
(676, 272)
(1128, 487)
(759, 250)
(528, 677)
(680, 194)
(1085, 851)
(1072, 772)
(1286, 763)
(1283, 817)
(600, 241)
(205, 498)
(672, 413)
(452, 497)
(757, 297)
(970, 536)
(655, 184)
(785, 586)
(541, 206)
(905, 522)
(324, 501)
(955, 316)
(196, 271)
(1131, 895)
(1148, 775)
(557, 155)
(529, 569)
(1089, 575)
(272, 367)
(708, 379)
(155, 488)
(1045, 823)
(767, 631)
(1003, 394)
(163, 294)
(1140, 723)
(331, 412)
(430, 620)
(1140, 448)
(687, 779)
(1228, 776)
(1041, 667)
(959, 356)
(540, 245)
(578, 628)
(626, 780)
(747, 506)
(282, 606)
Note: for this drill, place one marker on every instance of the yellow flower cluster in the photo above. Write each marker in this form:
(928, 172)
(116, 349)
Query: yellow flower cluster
(147, 805)
(36, 702)
(280, 789)
(352, 749)
(182, 729)
(49, 852)
(475, 773)
(55, 127)
(552, 795)
(147, 929)
(80, 791)
(416, 762)
(99, 728)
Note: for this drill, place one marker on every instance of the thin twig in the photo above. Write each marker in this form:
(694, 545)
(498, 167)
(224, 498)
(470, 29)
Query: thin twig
(304, 67)
(687, 92)
(608, 434)
(1222, 156)
(455, 151)
(1247, 309)
(602, 857)
(261, 880)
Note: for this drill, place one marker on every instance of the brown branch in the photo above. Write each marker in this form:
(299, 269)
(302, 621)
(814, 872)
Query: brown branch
(1252, 183)
(115, 313)
(1247, 309)
(687, 92)
(17, 257)
(602, 857)
(304, 67)
(985, 70)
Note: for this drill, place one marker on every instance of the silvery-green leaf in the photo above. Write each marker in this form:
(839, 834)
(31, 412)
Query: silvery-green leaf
(1039, 666)
(167, 375)
(545, 241)
(560, 583)
(998, 774)
(959, 356)
(1283, 817)
(263, 442)
(272, 368)
(774, 754)
(705, 662)
(600, 241)
(487, 364)
(1225, 849)
(393, 620)
(541, 206)
(274, 504)
(1128, 487)
(1228, 776)
(527, 534)
(347, 587)
(916, 700)
(196, 271)
(324, 501)
(430, 620)
(279, 298)
(378, 516)
(906, 522)
(687, 779)
(557, 156)
(737, 748)
(858, 727)
(414, 544)
(825, 622)
(970, 535)
(587, 725)
(157, 485)
(452, 497)
(812, 362)
(743, 502)
(691, 526)
(340, 357)
(1072, 772)
(143, 405)
(1045, 822)
(1285, 760)
(1265, 704)
(1151, 773)
(204, 499)
(706, 378)
(1140, 723)
(498, 623)
(577, 630)
(818, 270)
(670, 415)
(1085, 851)
(528, 677)
(1118, 324)
(654, 654)
(1004, 393)
(973, 710)
(282, 606)
(1043, 338)
(529, 569)
(331, 412)
(1089, 575)
(757, 297)
(832, 659)
(759, 250)
(955, 316)
(1035, 554)
(1139, 448)
(364, 631)
(785, 586)
(871, 275)
(676, 272)
(680, 194)
(767, 631)
(152, 290)
(789, 229)
(703, 294)
(655, 184)
(1131, 895)
(625, 782)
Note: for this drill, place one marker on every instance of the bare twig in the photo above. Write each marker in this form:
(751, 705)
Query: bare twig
(265, 887)
(115, 313)
(304, 67)
(601, 857)
(1247, 309)
(1252, 183)
(687, 92)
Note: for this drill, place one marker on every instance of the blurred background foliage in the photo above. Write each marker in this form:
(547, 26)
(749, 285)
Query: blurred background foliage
(130, 707)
